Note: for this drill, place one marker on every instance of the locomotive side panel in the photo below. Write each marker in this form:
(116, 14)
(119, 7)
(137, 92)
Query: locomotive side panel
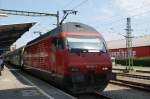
(38, 55)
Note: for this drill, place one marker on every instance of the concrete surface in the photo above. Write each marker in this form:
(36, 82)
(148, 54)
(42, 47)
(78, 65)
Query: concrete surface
(121, 92)
(15, 84)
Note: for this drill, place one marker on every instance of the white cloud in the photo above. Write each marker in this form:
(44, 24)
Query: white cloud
(134, 7)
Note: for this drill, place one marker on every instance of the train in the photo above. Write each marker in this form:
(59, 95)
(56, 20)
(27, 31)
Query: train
(14, 57)
(72, 55)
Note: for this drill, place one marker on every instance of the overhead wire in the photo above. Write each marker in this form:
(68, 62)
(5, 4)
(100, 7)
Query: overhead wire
(116, 21)
(77, 6)
(80, 4)
(68, 4)
(73, 8)
(131, 10)
(139, 14)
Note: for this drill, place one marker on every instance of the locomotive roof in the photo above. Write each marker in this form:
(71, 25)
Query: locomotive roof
(77, 27)
(67, 27)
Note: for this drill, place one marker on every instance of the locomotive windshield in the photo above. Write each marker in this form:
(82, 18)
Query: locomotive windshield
(88, 43)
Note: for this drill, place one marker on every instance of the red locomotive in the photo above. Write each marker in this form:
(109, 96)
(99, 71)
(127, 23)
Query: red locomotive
(73, 55)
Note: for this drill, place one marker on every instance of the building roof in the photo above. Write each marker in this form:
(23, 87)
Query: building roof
(10, 33)
(136, 42)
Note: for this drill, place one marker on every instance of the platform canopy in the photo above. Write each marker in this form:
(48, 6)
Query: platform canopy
(10, 33)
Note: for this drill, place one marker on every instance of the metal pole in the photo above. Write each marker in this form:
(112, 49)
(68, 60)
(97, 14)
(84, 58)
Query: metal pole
(25, 13)
(129, 45)
(57, 18)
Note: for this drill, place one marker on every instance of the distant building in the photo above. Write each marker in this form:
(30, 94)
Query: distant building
(140, 47)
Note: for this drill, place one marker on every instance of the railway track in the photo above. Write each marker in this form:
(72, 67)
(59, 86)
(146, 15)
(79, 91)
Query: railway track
(119, 82)
(140, 71)
(135, 85)
(133, 76)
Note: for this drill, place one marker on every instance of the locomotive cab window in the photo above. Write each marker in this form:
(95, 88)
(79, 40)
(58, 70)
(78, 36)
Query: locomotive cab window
(86, 43)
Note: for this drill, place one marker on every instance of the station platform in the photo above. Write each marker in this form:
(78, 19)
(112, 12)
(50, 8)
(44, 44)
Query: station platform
(15, 84)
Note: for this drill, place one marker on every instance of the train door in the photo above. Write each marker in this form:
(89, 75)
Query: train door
(60, 56)
(53, 55)
(57, 55)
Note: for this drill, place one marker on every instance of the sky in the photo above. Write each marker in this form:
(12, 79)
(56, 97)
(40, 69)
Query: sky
(106, 16)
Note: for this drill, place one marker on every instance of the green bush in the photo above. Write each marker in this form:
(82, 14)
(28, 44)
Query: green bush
(145, 61)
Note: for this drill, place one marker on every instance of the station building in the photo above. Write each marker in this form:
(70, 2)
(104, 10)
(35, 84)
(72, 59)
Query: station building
(140, 47)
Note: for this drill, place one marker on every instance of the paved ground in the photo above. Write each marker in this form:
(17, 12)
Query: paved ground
(121, 92)
(15, 84)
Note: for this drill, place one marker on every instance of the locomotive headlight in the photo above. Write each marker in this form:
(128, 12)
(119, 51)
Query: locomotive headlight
(74, 69)
(105, 68)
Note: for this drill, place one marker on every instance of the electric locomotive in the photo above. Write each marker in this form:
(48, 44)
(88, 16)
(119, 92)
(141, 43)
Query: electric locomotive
(73, 55)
